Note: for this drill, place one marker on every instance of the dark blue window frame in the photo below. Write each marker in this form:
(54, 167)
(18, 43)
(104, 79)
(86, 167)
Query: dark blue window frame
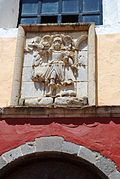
(60, 11)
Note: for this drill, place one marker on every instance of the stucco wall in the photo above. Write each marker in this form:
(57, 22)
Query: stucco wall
(7, 58)
(102, 137)
(108, 62)
(109, 69)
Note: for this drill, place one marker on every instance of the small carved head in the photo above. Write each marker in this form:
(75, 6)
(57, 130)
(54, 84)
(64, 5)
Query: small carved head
(57, 42)
(46, 42)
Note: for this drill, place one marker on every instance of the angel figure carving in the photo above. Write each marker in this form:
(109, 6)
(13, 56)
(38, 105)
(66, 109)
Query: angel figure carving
(55, 64)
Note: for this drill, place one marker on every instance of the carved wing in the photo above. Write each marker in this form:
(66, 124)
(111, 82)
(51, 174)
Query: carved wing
(81, 39)
(33, 43)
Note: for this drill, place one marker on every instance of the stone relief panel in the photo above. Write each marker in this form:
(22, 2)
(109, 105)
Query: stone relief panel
(55, 70)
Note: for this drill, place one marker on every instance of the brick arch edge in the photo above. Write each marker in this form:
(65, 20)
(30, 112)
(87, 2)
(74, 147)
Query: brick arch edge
(58, 144)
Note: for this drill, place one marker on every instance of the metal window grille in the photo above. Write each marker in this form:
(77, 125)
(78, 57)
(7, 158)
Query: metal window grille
(60, 11)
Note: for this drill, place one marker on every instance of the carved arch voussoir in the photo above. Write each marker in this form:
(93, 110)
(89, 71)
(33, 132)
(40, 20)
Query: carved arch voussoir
(58, 144)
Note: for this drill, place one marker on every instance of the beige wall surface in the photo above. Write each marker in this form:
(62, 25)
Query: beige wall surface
(7, 58)
(108, 61)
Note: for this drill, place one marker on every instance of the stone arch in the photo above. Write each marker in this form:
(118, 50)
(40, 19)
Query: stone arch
(57, 145)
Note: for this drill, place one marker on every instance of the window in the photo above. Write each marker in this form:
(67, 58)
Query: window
(60, 11)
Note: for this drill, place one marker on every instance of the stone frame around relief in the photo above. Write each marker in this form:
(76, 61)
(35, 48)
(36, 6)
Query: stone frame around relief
(16, 99)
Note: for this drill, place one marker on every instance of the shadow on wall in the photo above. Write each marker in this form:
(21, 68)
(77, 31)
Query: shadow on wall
(72, 121)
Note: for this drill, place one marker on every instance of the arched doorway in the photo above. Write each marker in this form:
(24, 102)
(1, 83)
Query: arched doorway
(50, 165)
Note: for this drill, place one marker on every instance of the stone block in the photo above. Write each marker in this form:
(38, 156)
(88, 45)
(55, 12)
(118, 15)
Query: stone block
(103, 111)
(27, 74)
(82, 74)
(21, 32)
(106, 165)
(69, 102)
(87, 154)
(114, 175)
(15, 93)
(49, 144)
(73, 112)
(82, 89)
(2, 162)
(84, 46)
(31, 102)
(28, 148)
(31, 89)
(83, 57)
(91, 40)
(68, 147)
(92, 92)
(20, 47)
(62, 101)
(59, 112)
(28, 61)
(12, 155)
(18, 69)
(43, 102)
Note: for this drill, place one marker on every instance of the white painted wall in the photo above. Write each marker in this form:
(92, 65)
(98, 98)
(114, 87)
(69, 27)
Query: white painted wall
(111, 18)
(111, 12)
(8, 32)
(9, 10)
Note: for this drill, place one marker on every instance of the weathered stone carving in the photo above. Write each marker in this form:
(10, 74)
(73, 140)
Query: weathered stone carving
(56, 64)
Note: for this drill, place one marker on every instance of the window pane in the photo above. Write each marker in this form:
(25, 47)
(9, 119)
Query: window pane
(91, 5)
(92, 18)
(48, 19)
(29, 7)
(69, 19)
(50, 6)
(28, 21)
(70, 6)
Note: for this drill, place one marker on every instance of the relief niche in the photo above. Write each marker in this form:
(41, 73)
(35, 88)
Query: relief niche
(57, 71)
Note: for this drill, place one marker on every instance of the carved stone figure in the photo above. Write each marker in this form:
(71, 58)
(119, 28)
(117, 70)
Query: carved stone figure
(55, 66)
